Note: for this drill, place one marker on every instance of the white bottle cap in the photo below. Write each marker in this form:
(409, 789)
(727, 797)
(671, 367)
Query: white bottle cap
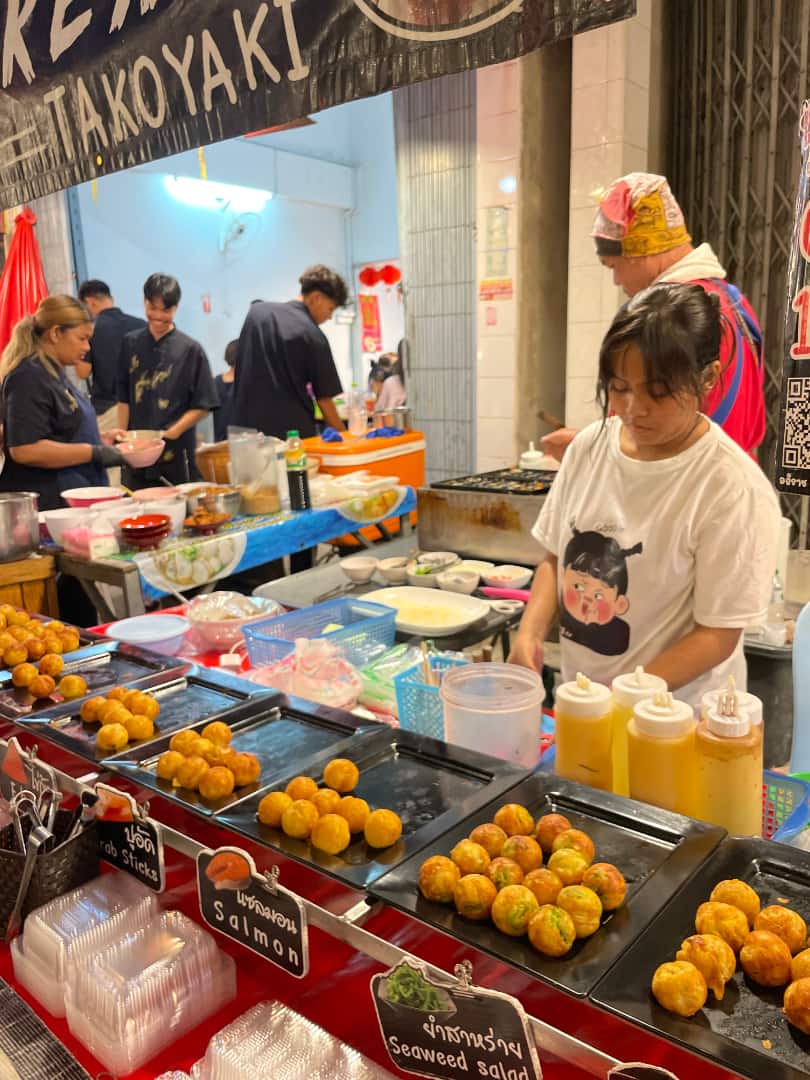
(581, 697)
(531, 458)
(636, 686)
(727, 719)
(663, 717)
(746, 702)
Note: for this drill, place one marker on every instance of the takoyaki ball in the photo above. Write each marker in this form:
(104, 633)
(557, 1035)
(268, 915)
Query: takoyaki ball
(552, 931)
(726, 921)
(679, 988)
(765, 959)
(607, 881)
(797, 1005)
(438, 877)
(800, 966)
(738, 894)
(584, 907)
(786, 924)
(714, 959)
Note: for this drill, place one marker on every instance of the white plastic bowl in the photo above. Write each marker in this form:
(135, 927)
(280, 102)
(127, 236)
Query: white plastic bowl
(395, 571)
(458, 581)
(141, 453)
(88, 496)
(161, 633)
(359, 568)
(56, 521)
(508, 577)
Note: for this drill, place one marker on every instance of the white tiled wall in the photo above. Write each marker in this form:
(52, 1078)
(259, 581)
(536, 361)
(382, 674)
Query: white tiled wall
(498, 154)
(609, 136)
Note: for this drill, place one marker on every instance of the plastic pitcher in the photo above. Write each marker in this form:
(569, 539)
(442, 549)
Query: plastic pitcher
(495, 709)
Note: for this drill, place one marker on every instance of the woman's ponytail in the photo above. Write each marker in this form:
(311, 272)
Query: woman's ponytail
(23, 343)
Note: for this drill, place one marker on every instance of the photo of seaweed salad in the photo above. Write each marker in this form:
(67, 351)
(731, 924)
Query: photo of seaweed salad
(407, 986)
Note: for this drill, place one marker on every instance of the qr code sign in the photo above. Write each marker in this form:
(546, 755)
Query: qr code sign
(796, 446)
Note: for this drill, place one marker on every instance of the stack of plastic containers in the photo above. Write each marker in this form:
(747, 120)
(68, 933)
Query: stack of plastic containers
(80, 924)
(271, 1040)
(146, 990)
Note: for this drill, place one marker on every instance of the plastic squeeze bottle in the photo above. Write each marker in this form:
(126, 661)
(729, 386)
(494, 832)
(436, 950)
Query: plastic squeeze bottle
(583, 733)
(295, 455)
(628, 690)
(661, 754)
(728, 746)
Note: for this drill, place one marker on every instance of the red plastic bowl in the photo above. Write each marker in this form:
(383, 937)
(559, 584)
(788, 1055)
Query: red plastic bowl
(145, 522)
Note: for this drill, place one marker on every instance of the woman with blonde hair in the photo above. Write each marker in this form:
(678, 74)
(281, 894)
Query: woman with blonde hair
(51, 437)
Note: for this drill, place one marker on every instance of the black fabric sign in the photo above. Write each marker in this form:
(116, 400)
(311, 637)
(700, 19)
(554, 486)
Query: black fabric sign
(452, 1032)
(135, 847)
(268, 919)
(792, 467)
(88, 87)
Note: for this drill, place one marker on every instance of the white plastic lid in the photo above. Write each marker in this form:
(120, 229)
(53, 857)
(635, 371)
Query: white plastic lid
(727, 719)
(663, 717)
(635, 686)
(583, 698)
(746, 702)
(531, 458)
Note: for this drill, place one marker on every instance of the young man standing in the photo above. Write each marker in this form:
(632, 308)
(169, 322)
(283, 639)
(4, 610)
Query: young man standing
(164, 384)
(282, 353)
(111, 325)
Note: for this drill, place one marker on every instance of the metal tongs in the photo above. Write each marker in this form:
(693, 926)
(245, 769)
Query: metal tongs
(40, 838)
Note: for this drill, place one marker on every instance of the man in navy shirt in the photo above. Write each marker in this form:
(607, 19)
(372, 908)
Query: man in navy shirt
(164, 384)
(284, 361)
(110, 327)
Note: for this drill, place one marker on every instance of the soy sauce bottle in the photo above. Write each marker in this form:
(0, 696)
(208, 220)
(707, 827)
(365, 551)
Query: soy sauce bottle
(297, 479)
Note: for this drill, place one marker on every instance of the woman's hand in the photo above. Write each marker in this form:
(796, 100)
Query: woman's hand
(527, 652)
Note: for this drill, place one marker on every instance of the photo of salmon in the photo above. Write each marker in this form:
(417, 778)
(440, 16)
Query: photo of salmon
(229, 871)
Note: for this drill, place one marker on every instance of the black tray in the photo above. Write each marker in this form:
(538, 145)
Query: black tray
(428, 783)
(655, 850)
(199, 695)
(287, 734)
(103, 666)
(502, 482)
(729, 1032)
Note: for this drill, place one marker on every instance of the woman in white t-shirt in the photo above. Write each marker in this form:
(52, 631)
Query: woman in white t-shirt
(660, 533)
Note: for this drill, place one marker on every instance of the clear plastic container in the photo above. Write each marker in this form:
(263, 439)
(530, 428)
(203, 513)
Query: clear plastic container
(142, 993)
(271, 1040)
(80, 924)
(583, 733)
(495, 709)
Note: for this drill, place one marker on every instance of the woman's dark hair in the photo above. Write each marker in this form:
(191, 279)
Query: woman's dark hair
(599, 557)
(323, 280)
(162, 287)
(678, 330)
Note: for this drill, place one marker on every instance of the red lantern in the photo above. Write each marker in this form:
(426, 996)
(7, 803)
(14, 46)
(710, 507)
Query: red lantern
(391, 275)
(369, 277)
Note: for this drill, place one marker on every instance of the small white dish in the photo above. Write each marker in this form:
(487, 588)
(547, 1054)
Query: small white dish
(161, 633)
(458, 581)
(475, 566)
(508, 577)
(394, 570)
(359, 568)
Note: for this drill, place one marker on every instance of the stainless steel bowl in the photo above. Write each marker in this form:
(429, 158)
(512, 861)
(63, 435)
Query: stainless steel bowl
(217, 503)
(19, 525)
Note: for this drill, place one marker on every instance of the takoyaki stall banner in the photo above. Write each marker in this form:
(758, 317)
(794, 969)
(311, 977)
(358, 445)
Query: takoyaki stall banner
(88, 87)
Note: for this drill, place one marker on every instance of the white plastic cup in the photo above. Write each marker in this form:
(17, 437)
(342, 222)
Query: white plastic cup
(495, 709)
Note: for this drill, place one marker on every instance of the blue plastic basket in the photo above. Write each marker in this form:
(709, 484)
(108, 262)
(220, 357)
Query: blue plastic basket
(366, 631)
(420, 706)
(785, 808)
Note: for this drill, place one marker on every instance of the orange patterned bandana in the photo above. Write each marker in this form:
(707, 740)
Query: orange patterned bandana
(640, 212)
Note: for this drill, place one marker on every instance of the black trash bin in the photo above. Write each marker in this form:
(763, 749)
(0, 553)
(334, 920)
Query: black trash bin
(770, 678)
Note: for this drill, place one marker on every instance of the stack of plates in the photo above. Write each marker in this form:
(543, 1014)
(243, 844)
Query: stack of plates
(146, 530)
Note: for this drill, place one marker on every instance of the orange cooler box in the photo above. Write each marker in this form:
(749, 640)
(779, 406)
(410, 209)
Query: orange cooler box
(402, 456)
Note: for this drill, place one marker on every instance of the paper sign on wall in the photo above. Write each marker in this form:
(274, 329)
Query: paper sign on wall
(370, 323)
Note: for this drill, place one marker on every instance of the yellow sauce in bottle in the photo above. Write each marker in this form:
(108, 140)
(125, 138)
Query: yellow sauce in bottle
(628, 690)
(728, 745)
(661, 754)
(583, 733)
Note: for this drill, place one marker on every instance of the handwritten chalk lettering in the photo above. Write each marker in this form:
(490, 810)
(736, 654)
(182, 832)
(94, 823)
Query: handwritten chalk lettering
(251, 49)
(181, 69)
(63, 34)
(89, 118)
(299, 70)
(15, 51)
(121, 10)
(142, 65)
(215, 72)
(120, 116)
(54, 98)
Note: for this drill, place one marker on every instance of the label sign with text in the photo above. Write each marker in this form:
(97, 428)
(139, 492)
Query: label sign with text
(247, 908)
(23, 771)
(128, 839)
(452, 1031)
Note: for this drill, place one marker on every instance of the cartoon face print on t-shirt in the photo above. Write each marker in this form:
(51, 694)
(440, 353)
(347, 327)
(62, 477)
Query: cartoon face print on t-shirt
(594, 593)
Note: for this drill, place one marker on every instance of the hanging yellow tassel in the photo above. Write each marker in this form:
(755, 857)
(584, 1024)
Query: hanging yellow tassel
(94, 189)
(203, 166)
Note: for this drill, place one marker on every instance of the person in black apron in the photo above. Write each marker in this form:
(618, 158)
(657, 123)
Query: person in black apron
(50, 432)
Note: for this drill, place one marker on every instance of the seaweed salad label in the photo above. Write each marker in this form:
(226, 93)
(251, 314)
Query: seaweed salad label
(452, 1030)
